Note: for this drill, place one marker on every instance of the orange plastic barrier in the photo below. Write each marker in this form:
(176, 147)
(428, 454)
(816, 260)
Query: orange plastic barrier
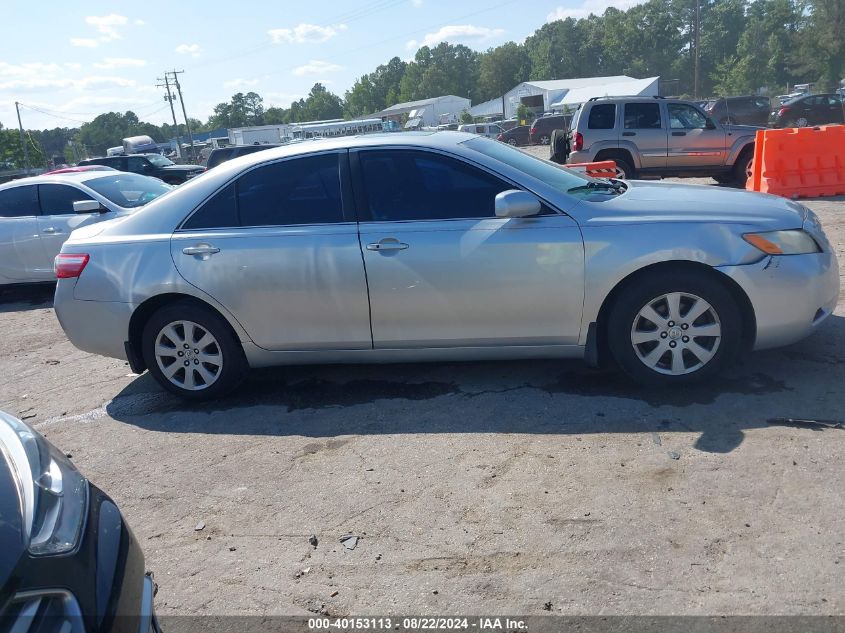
(799, 162)
(601, 169)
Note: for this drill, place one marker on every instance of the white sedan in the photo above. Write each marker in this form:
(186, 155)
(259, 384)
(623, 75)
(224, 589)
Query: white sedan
(38, 214)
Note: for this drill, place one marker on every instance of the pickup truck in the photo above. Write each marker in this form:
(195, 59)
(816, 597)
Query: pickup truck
(149, 165)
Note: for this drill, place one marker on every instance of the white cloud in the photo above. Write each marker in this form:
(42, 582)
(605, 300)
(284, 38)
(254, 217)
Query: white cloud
(305, 33)
(30, 69)
(140, 23)
(84, 42)
(316, 67)
(417, 3)
(463, 33)
(587, 7)
(282, 99)
(193, 50)
(110, 63)
(107, 25)
(42, 84)
(239, 83)
(72, 65)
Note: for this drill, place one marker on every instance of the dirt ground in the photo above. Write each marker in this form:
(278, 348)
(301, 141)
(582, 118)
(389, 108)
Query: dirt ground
(511, 488)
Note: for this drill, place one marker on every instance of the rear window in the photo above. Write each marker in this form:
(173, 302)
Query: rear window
(602, 116)
(19, 202)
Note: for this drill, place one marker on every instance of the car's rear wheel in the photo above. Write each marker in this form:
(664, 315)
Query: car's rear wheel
(799, 122)
(545, 139)
(512, 141)
(624, 169)
(674, 328)
(191, 351)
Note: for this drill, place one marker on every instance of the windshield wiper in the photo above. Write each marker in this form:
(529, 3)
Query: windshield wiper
(612, 184)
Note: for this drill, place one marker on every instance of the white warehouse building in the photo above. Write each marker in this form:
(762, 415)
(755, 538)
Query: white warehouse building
(543, 96)
(427, 112)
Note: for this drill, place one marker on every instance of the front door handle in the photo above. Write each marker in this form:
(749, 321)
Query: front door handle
(201, 249)
(387, 244)
(51, 230)
(679, 133)
(629, 133)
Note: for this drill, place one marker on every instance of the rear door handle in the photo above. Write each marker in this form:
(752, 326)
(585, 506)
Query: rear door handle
(388, 244)
(51, 230)
(201, 249)
(679, 133)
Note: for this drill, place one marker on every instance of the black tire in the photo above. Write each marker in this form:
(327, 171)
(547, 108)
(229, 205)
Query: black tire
(624, 316)
(234, 364)
(742, 168)
(724, 179)
(624, 168)
(512, 141)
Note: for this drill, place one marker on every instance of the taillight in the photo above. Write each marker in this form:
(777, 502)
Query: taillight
(500, 137)
(783, 111)
(69, 265)
(532, 131)
(577, 142)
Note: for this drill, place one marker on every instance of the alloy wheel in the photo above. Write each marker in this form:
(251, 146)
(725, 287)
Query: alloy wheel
(544, 140)
(802, 122)
(676, 333)
(188, 355)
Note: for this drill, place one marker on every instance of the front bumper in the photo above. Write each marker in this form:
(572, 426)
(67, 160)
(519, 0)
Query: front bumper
(791, 295)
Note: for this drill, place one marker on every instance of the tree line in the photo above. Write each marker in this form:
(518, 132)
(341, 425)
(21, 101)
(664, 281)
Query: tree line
(744, 46)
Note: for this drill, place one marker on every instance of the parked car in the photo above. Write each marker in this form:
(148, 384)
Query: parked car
(72, 170)
(69, 561)
(149, 165)
(750, 110)
(542, 128)
(444, 246)
(517, 136)
(38, 214)
(809, 110)
(222, 154)
(490, 130)
(654, 137)
(507, 124)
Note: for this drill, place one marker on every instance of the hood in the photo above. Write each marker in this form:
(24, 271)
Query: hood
(11, 525)
(183, 168)
(647, 201)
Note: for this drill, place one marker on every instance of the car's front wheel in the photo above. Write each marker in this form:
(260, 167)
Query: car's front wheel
(191, 351)
(674, 328)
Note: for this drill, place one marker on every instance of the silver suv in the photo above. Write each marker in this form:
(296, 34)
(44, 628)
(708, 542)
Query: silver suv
(655, 137)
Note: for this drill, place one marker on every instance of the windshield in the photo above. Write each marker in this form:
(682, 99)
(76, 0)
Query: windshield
(160, 161)
(129, 190)
(560, 178)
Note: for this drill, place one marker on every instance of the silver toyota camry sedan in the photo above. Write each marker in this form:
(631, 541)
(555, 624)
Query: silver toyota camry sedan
(440, 246)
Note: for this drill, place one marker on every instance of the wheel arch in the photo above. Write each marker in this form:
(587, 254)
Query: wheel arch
(749, 318)
(618, 152)
(147, 308)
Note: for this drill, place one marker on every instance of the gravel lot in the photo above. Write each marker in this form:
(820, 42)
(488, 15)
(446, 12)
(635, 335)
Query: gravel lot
(475, 488)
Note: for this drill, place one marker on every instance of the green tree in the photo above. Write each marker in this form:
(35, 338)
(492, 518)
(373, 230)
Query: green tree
(500, 69)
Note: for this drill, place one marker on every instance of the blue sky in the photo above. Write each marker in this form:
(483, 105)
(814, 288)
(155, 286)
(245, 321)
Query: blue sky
(75, 60)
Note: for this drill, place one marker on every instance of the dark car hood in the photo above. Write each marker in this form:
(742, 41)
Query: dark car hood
(648, 201)
(185, 168)
(12, 545)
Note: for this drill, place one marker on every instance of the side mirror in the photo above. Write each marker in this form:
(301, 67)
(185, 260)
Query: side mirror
(88, 206)
(710, 125)
(516, 204)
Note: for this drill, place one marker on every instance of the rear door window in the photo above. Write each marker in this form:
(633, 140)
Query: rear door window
(19, 202)
(642, 116)
(602, 116)
(59, 199)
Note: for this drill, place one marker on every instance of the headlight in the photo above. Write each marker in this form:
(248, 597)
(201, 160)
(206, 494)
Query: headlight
(791, 242)
(54, 496)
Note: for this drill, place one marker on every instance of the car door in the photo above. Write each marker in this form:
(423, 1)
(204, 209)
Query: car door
(691, 142)
(444, 271)
(58, 219)
(834, 106)
(139, 165)
(278, 247)
(642, 125)
(20, 241)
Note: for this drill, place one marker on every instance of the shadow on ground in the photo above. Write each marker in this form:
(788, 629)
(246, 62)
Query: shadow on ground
(804, 381)
(27, 297)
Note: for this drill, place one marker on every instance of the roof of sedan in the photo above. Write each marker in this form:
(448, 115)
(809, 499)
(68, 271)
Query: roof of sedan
(79, 176)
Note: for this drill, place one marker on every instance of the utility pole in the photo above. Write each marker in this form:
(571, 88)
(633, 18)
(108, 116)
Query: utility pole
(176, 74)
(697, 56)
(23, 140)
(169, 98)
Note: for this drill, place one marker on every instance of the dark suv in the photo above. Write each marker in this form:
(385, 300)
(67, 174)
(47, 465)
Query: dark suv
(809, 110)
(149, 165)
(222, 154)
(542, 128)
(743, 110)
